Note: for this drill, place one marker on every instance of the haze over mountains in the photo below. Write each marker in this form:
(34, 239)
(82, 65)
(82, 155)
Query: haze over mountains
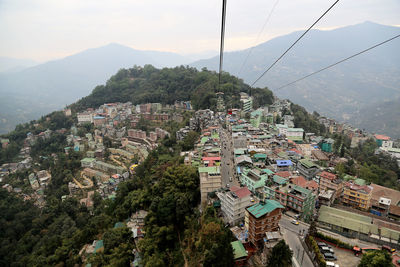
(344, 92)
(341, 92)
(36, 91)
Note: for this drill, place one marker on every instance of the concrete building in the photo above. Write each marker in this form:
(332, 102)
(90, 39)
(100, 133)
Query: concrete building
(261, 218)
(85, 117)
(210, 180)
(234, 202)
(329, 181)
(307, 168)
(357, 196)
(253, 178)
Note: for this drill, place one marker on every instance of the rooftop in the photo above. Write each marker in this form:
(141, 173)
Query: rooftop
(209, 170)
(260, 209)
(238, 250)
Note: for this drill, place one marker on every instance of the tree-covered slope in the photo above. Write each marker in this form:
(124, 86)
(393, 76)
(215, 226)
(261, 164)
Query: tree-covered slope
(148, 84)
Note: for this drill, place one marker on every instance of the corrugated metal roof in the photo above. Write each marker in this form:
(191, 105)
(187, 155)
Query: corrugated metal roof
(261, 209)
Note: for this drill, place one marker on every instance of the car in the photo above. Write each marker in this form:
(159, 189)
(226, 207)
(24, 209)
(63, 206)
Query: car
(295, 222)
(252, 199)
(331, 264)
(322, 244)
(326, 249)
(227, 185)
(329, 256)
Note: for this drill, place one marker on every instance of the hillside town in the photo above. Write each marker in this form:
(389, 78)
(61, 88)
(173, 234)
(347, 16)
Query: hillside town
(268, 180)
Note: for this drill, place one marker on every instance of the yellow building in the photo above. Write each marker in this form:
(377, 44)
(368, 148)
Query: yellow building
(357, 196)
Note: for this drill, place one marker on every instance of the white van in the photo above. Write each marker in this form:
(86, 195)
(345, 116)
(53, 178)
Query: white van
(331, 264)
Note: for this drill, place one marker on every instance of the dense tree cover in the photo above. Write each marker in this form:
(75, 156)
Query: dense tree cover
(307, 121)
(363, 162)
(378, 258)
(148, 84)
(280, 255)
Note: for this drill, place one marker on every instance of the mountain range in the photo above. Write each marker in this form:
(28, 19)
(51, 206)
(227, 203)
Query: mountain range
(343, 92)
(348, 92)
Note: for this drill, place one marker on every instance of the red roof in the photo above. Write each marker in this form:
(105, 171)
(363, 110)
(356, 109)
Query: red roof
(328, 175)
(284, 174)
(302, 182)
(211, 158)
(296, 150)
(356, 187)
(382, 137)
(241, 192)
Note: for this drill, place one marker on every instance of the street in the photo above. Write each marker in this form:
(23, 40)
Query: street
(227, 165)
(291, 234)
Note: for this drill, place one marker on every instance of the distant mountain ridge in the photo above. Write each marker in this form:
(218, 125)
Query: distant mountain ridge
(340, 92)
(38, 90)
(9, 65)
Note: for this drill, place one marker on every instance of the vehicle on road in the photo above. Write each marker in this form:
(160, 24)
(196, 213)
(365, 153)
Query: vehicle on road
(252, 199)
(388, 249)
(330, 256)
(295, 222)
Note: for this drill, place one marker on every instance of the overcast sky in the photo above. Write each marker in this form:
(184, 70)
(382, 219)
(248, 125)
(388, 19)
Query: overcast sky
(50, 29)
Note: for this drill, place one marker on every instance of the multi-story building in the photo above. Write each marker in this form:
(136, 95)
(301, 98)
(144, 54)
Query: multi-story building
(253, 178)
(262, 217)
(307, 168)
(247, 104)
(329, 181)
(85, 117)
(234, 202)
(210, 180)
(297, 199)
(295, 134)
(357, 196)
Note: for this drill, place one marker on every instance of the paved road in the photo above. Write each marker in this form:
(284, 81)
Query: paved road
(291, 236)
(227, 165)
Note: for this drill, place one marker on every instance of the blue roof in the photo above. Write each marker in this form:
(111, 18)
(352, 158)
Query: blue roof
(238, 170)
(282, 163)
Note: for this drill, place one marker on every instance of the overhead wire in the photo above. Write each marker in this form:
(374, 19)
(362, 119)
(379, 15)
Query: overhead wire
(340, 61)
(221, 50)
(287, 50)
(258, 36)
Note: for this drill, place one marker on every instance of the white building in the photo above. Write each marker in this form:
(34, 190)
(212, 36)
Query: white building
(85, 117)
(234, 203)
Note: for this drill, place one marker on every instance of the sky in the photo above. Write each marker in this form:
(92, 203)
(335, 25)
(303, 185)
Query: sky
(43, 30)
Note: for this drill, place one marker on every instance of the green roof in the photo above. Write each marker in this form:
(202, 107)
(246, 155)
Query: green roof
(302, 189)
(307, 163)
(268, 171)
(238, 250)
(296, 130)
(360, 181)
(99, 245)
(204, 139)
(261, 209)
(354, 222)
(348, 177)
(209, 169)
(265, 137)
(283, 155)
(88, 160)
(239, 151)
(279, 180)
(215, 136)
(260, 156)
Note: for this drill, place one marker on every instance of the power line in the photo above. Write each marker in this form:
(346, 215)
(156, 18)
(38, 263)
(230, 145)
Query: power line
(334, 64)
(279, 58)
(221, 50)
(258, 36)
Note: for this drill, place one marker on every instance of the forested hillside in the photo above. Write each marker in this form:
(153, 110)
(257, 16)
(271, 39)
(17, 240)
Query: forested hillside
(148, 84)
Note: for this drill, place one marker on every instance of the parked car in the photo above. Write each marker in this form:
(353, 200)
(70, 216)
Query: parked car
(322, 244)
(331, 264)
(329, 256)
(326, 249)
(295, 222)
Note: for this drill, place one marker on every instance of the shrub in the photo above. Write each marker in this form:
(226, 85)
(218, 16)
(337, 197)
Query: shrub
(335, 241)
